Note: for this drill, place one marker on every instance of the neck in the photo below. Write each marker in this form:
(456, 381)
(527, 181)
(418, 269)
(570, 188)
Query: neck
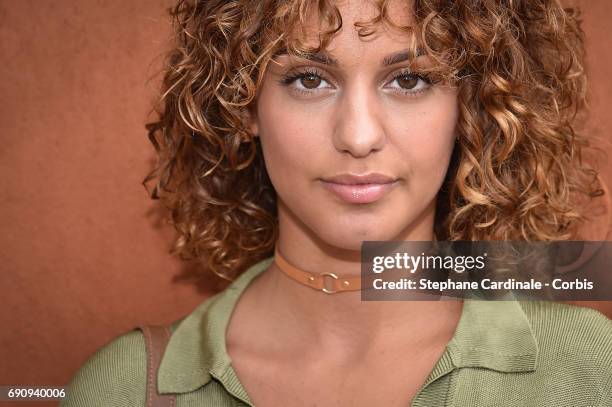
(343, 324)
(342, 320)
(298, 313)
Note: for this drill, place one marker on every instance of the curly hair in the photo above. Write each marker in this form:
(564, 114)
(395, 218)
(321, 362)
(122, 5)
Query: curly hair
(515, 174)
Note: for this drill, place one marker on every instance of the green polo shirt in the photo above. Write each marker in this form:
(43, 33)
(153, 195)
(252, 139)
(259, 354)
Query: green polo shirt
(503, 353)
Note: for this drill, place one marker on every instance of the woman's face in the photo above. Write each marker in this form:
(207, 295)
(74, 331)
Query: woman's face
(354, 114)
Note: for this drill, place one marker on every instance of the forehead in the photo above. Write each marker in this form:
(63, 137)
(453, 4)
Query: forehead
(357, 17)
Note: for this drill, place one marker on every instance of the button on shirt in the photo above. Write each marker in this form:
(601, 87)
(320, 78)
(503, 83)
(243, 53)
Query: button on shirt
(503, 353)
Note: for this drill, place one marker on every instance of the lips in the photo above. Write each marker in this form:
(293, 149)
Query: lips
(360, 189)
(355, 179)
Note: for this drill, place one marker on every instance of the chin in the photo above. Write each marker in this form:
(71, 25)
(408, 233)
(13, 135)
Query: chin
(351, 238)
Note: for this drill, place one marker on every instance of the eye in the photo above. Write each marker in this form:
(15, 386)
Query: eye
(310, 80)
(307, 81)
(408, 82)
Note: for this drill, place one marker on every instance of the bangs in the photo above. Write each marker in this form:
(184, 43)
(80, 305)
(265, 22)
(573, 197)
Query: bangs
(304, 29)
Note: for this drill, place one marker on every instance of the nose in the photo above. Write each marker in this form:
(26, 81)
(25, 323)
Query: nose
(359, 130)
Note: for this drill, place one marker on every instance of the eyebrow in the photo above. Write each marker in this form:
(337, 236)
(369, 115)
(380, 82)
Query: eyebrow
(400, 56)
(326, 59)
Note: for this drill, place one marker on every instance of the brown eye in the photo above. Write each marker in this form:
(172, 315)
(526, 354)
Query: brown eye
(407, 81)
(310, 81)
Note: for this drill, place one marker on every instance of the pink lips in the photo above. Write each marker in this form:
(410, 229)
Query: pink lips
(359, 188)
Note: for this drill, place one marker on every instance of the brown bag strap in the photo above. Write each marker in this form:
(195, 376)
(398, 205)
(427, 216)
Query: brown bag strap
(156, 339)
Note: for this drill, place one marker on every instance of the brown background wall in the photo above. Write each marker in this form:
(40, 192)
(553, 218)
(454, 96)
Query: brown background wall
(83, 251)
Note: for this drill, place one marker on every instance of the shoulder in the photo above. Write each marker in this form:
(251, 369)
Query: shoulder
(115, 375)
(585, 329)
(574, 344)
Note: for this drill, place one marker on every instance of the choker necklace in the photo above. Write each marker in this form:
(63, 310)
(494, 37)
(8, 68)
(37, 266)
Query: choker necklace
(327, 282)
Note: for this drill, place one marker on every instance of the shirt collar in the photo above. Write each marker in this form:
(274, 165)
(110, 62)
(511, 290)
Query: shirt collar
(490, 334)
(495, 335)
(196, 352)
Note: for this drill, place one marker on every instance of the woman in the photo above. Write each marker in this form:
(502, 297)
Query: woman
(457, 117)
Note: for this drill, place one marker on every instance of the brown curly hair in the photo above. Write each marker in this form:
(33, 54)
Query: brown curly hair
(514, 175)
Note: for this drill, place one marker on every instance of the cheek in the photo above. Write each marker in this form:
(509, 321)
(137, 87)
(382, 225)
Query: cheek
(430, 139)
(290, 140)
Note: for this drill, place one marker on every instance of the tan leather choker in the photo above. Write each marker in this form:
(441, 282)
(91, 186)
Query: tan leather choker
(327, 282)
